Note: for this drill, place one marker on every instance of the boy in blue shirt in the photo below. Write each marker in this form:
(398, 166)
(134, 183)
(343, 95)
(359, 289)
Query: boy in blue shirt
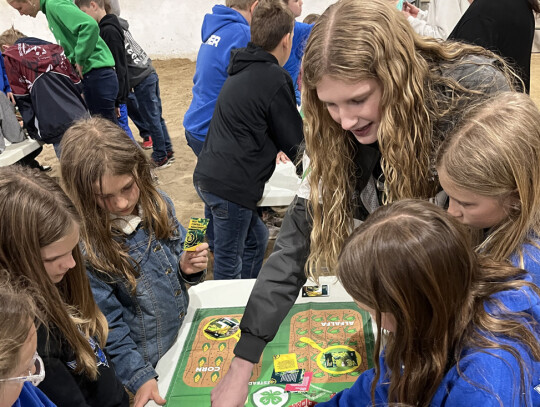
(301, 34)
(222, 31)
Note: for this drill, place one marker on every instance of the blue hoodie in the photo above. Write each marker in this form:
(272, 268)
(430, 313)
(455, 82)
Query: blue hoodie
(494, 371)
(32, 397)
(4, 83)
(222, 31)
(293, 64)
(531, 261)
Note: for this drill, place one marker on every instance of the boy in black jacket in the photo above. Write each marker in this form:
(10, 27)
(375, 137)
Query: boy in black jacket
(111, 32)
(255, 117)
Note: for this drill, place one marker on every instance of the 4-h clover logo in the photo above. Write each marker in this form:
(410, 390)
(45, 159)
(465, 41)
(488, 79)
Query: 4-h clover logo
(270, 396)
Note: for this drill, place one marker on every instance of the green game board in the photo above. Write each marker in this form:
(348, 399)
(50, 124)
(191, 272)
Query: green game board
(310, 330)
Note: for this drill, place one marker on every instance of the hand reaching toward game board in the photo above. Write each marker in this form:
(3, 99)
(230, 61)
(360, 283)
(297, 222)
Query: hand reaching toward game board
(148, 391)
(194, 261)
(232, 390)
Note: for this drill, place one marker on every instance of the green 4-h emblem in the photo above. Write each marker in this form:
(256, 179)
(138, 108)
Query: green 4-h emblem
(271, 396)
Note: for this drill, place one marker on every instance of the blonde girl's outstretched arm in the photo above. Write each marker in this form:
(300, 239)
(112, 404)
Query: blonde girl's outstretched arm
(272, 297)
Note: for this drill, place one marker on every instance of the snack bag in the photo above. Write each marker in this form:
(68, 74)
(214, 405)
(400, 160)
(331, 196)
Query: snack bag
(195, 234)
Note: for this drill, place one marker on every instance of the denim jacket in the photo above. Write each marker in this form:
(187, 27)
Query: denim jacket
(143, 327)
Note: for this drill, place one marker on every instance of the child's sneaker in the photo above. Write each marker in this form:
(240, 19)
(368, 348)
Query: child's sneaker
(170, 156)
(164, 163)
(147, 143)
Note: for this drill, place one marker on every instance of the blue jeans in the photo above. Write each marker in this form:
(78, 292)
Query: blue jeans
(123, 121)
(197, 145)
(240, 238)
(147, 94)
(135, 115)
(57, 149)
(100, 88)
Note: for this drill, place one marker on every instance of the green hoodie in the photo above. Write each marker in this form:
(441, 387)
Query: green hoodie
(78, 34)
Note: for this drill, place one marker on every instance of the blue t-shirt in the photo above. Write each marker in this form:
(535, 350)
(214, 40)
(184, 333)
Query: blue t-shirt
(31, 396)
(293, 64)
(4, 83)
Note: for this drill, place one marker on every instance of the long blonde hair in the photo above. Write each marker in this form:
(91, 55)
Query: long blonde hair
(35, 212)
(355, 40)
(413, 260)
(495, 152)
(92, 148)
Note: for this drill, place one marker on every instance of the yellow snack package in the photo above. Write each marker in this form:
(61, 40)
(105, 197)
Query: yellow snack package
(285, 362)
(195, 234)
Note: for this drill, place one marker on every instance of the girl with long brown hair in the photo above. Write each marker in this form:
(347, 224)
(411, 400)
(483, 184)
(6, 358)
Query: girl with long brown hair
(462, 328)
(490, 168)
(378, 100)
(39, 241)
(134, 249)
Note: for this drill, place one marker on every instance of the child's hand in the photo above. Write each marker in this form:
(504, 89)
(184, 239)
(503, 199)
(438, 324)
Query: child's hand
(195, 261)
(79, 69)
(282, 158)
(148, 391)
(410, 10)
(11, 97)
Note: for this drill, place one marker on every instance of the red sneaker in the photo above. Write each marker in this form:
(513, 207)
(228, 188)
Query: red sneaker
(147, 143)
(162, 164)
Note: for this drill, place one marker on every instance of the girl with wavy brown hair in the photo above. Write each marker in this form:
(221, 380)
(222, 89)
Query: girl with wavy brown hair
(378, 100)
(462, 329)
(39, 242)
(134, 248)
(489, 166)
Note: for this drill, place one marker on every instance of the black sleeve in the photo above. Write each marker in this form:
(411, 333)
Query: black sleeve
(59, 384)
(285, 122)
(24, 103)
(193, 279)
(477, 31)
(115, 42)
(277, 285)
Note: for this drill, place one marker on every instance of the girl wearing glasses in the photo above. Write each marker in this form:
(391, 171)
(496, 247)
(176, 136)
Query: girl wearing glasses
(39, 241)
(21, 368)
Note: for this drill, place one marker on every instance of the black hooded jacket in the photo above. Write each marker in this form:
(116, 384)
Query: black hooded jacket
(255, 118)
(111, 32)
(505, 27)
(139, 65)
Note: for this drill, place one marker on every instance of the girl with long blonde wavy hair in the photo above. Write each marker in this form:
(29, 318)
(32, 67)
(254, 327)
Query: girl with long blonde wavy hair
(463, 329)
(134, 249)
(39, 241)
(422, 85)
(377, 100)
(490, 168)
